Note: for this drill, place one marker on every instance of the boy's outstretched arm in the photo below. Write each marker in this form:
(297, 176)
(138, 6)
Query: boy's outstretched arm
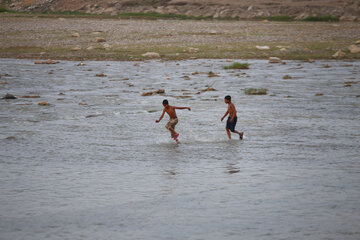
(162, 115)
(182, 108)
(227, 112)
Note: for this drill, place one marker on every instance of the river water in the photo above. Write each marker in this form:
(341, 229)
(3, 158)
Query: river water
(106, 170)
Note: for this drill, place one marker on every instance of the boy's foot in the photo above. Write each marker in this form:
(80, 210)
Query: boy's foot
(176, 136)
(241, 135)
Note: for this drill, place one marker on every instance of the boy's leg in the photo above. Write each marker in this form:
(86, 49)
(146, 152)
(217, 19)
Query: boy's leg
(232, 128)
(173, 133)
(171, 126)
(228, 133)
(240, 134)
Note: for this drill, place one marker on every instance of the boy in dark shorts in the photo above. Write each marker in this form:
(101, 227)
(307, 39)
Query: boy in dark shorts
(232, 119)
(170, 110)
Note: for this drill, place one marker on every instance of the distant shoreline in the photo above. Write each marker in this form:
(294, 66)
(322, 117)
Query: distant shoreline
(88, 38)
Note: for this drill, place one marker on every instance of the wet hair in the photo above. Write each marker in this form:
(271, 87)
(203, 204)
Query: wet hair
(228, 97)
(166, 102)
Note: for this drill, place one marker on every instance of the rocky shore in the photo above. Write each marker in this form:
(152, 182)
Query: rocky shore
(348, 10)
(40, 37)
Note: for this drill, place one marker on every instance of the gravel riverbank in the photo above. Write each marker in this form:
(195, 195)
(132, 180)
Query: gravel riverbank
(119, 39)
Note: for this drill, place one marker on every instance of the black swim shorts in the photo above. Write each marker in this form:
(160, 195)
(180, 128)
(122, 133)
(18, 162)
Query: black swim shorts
(230, 125)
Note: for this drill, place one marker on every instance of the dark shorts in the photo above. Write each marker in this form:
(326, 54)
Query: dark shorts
(230, 125)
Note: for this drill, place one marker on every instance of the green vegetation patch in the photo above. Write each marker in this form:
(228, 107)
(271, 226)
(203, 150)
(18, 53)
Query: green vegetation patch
(155, 16)
(68, 13)
(237, 65)
(5, 10)
(327, 18)
(255, 91)
(283, 18)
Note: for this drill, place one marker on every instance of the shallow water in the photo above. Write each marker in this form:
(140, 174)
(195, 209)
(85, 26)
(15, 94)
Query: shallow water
(106, 170)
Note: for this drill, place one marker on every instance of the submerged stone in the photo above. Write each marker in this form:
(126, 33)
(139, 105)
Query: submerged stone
(159, 91)
(274, 60)
(43, 104)
(9, 96)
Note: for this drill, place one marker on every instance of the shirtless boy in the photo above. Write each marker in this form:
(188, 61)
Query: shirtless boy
(232, 119)
(170, 110)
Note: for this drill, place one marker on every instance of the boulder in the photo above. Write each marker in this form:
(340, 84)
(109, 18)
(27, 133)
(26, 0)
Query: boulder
(43, 104)
(151, 55)
(263, 47)
(339, 54)
(348, 18)
(213, 32)
(159, 91)
(9, 96)
(211, 74)
(75, 49)
(357, 42)
(107, 46)
(193, 50)
(49, 61)
(354, 49)
(274, 60)
(209, 89)
(99, 40)
(302, 16)
(75, 35)
(100, 75)
(287, 77)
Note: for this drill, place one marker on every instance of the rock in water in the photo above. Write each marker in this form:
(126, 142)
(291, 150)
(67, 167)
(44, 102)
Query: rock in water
(159, 91)
(100, 75)
(274, 60)
(43, 104)
(9, 96)
(49, 61)
(287, 77)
